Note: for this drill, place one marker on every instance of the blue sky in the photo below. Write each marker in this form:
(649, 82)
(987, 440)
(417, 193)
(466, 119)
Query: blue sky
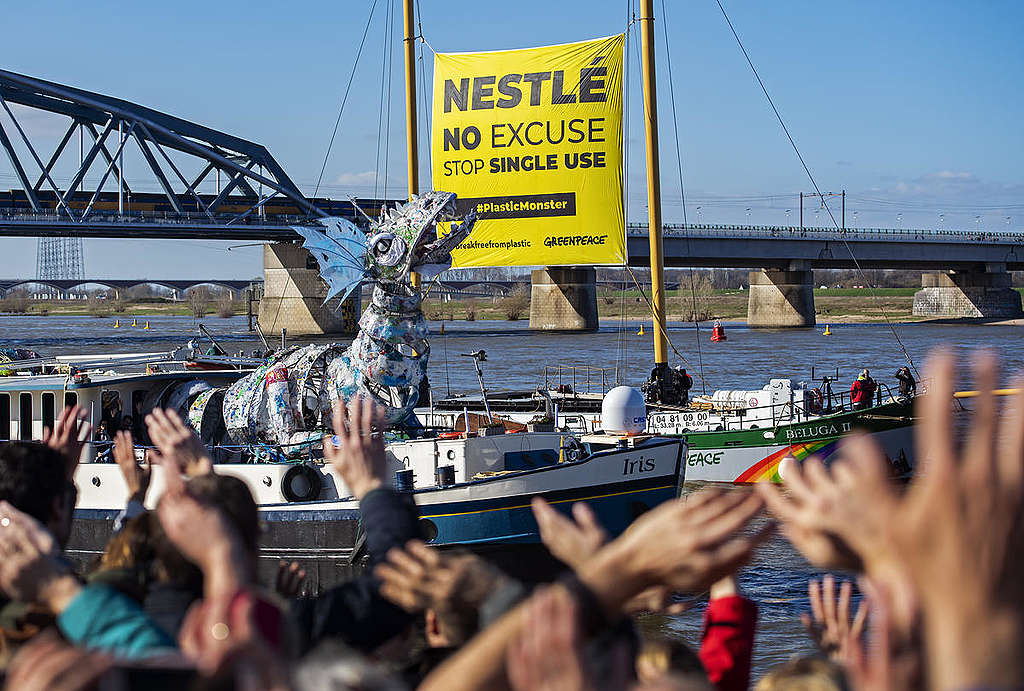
(914, 108)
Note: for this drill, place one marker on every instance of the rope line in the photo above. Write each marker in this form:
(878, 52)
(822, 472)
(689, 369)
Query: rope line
(426, 110)
(682, 188)
(380, 102)
(391, 79)
(807, 170)
(344, 99)
(668, 338)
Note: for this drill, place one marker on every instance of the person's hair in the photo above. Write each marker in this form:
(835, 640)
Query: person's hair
(169, 565)
(131, 548)
(457, 624)
(810, 673)
(667, 654)
(32, 476)
(232, 496)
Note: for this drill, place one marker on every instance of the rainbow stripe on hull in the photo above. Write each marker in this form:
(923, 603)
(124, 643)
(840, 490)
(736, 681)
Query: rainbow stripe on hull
(754, 455)
(767, 469)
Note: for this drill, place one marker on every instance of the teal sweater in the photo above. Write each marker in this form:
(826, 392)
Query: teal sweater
(101, 618)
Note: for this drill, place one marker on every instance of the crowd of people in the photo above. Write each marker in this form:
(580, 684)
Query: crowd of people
(174, 601)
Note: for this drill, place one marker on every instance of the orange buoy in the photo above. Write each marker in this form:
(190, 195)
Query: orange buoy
(718, 333)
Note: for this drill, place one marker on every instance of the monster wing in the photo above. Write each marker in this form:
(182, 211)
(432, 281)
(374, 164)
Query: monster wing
(340, 248)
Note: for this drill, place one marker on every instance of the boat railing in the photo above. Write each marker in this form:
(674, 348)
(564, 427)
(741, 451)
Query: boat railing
(795, 411)
(583, 379)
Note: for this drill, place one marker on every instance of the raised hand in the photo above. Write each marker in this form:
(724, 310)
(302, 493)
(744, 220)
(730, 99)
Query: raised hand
(291, 580)
(959, 532)
(69, 435)
(357, 451)
(47, 663)
(547, 654)
(30, 568)
(204, 535)
(136, 477)
(222, 635)
(421, 577)
(688, 545)
(655, 600)
(829, 624)
(814, 515)
(173, 438)
(572, 542)
(894, 662)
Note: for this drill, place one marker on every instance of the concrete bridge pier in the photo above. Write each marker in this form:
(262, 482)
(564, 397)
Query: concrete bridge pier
(968, 294)
(563, 298)
(781, 299)
(293, 296)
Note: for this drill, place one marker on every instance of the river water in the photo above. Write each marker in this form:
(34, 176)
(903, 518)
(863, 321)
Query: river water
(516, 358)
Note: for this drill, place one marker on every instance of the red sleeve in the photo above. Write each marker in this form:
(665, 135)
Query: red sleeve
(728, 642)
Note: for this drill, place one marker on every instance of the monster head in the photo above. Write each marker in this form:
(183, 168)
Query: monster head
(404, 239)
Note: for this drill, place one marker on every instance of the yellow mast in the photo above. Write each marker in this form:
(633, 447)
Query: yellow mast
(412, 148)
(653, 184)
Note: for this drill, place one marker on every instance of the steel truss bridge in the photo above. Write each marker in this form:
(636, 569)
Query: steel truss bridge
(254, 197)
(255, 200)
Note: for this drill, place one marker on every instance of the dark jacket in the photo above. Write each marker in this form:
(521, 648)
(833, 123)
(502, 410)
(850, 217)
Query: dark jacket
(355, 612)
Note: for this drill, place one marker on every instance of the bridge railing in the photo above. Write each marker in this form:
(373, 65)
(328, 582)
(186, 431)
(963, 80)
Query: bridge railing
(151, 217)
(855, 234)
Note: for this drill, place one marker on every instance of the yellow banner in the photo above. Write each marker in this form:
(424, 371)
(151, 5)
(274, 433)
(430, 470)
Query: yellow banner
(533, 140)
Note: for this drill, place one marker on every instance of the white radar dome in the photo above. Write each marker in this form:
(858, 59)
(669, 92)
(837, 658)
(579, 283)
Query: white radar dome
(624, 411)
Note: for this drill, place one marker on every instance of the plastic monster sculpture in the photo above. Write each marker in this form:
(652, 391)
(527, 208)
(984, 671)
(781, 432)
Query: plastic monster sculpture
(287, 400)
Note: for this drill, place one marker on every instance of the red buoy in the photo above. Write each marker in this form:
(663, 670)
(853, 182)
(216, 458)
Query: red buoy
(718, 333)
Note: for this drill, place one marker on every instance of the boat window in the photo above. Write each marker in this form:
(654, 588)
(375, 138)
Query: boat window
(25, 416)
(111, 412)
(49, 409)
(70, 399)
(138, 397)
(528, 460)
(5, 416)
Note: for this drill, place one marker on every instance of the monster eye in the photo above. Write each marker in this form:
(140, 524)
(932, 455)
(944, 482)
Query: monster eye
(388, 250)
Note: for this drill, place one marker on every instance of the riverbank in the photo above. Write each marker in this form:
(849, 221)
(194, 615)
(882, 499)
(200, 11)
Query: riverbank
(839, 306)
(111, 309)
(832, 305)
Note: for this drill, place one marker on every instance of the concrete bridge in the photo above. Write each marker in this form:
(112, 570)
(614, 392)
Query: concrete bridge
(964, 274)
(118, 284)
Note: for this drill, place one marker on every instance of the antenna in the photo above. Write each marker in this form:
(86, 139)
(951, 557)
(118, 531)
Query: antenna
(478, 357)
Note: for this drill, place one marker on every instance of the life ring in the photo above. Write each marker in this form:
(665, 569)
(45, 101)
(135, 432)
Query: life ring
(816, 401)
(450, 435)
(301, 483)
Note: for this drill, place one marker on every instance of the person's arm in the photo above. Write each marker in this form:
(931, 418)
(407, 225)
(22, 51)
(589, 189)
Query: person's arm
(94, 616)
(355, 611)
(728, 640)
(136, 479)
(100, 618)
(686, 545)
(132, 509)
